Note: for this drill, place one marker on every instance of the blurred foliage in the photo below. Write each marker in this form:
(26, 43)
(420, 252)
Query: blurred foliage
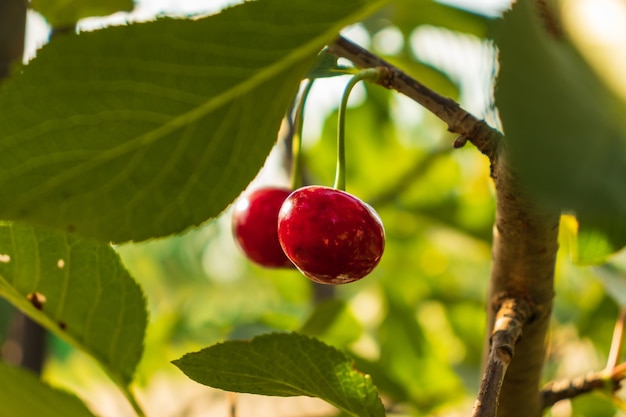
(556, 83)
(417, 323)
(65, 14)
(23, 385)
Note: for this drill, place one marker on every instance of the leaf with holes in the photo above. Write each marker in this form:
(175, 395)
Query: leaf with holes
(77, 289)
(23, 394)
(285, 365)
(145, 130)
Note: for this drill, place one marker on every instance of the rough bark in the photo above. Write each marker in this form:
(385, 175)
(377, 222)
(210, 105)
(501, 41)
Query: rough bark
(524, 255)
(511, 317)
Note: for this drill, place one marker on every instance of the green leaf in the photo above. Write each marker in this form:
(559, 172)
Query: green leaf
(77, 289)
(285, 365)
(67, 12)
(565, 130)
(326, 66)
(23, 394)
(145, 130)
(332, 322)
(598, 239)
(323, 317)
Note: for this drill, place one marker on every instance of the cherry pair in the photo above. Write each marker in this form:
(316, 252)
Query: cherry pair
(331, 236)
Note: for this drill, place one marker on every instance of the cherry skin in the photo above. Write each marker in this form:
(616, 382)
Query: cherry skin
(331, 236)
(254, 225)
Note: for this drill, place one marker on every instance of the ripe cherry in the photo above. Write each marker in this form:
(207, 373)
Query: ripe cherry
(331, 236)
(254, 226)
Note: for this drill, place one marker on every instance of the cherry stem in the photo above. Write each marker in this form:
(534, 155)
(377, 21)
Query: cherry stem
(371, 74)
(296, 144)
(618, 340)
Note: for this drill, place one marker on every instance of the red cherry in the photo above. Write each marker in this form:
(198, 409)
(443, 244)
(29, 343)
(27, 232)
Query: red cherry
(331, 236)
(254, 226)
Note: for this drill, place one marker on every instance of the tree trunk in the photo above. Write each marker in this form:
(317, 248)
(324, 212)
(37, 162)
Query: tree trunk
(524, 254)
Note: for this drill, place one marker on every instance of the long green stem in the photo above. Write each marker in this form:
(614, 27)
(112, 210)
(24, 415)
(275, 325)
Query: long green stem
(133, 401)
(618, 341)
(372, 74)
(296, 143)
(124, 388)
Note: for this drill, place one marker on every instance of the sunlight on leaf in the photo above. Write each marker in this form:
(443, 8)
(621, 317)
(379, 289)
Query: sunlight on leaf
(597, 28)
(145, 130)
(285, 365)
(77, 289)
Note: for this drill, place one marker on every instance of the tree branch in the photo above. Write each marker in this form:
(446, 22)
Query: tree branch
(568, 389)
(524, 237)
(477, 131)
(510, 320)
(525, 243)
(611, 377)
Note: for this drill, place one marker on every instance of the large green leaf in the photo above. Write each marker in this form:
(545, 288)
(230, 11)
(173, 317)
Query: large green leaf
(77, 289)
(145, 130)
(285, 365)
(565, 129)
(68, 12)
(23, 394)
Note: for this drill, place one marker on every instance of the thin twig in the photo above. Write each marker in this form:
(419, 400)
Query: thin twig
(619, 372)
(613, 374)
(483, 136)
(570, 388)
(512, 314)
(232, 404)
(617, 342)
(130, 396)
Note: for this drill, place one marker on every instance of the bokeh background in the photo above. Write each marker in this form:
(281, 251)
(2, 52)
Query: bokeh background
(417, 323)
